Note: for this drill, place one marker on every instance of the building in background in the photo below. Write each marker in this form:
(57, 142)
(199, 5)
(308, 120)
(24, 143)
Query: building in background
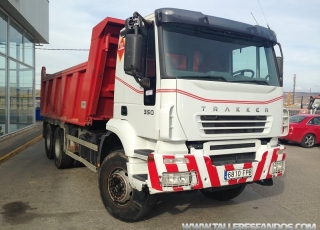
(23, 24)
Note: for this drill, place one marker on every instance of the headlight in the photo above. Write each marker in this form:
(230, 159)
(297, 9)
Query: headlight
(177, 179)
(290, 129)
(278, 167)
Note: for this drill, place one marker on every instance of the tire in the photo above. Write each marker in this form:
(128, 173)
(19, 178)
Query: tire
(308, 141)
(61, 159)
(119, 198)
(77, 164)
(283, 141)
(48, 141)
(225, 194)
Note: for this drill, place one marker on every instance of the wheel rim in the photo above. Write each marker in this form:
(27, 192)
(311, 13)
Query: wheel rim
(119, 187)
(57, 148)
(48, 139)
(309, 140)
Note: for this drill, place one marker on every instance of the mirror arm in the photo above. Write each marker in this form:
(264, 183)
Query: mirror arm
(144, 82)
(280, 68)
(147, 23)
(138, 25)
(280, 49)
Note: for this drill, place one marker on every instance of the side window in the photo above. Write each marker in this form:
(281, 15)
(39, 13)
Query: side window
(315, 121)
(150, 68)
(311, 122)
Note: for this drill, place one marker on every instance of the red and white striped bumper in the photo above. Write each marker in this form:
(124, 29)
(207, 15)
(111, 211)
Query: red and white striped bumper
(208, 175)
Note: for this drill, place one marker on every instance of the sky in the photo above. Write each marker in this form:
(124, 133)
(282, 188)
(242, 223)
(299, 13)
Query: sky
(296, 23)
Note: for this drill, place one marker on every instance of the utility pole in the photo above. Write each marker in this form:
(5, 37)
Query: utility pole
(294, 89)
(310, 93)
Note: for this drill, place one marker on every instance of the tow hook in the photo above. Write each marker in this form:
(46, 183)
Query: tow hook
(265, 182)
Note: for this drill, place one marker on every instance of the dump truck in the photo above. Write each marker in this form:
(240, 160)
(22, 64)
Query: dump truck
(175, 101)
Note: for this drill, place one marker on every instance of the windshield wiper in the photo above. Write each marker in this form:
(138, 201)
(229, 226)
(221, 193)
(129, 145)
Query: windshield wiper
(259, 82)
(214, 78)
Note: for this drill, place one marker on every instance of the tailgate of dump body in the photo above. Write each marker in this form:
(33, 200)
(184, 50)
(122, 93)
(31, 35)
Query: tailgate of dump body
(85, 93)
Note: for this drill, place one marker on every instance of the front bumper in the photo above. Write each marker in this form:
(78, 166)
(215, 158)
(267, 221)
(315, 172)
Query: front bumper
(203, 174)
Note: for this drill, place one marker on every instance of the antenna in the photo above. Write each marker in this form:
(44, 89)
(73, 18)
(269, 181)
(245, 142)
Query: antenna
(263, 15)
(254, 19)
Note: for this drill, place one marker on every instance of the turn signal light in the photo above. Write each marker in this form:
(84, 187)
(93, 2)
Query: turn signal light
(175, 160)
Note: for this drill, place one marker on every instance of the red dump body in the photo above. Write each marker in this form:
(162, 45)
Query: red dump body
(85, 93)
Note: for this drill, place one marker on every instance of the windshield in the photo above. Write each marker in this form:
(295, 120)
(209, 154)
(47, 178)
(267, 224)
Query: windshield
(191, 52)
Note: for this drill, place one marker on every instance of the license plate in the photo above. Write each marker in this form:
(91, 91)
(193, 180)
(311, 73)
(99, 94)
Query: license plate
(238, 173)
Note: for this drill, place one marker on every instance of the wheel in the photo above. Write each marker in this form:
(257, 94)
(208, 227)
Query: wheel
(283, 141)
(119, 198)
(242, 71)
(48, 140)
(61, 159)
(308, 141)
(225, 194)
(77, 164)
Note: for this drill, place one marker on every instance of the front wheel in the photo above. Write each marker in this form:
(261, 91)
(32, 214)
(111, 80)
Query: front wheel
(119, 198)
(225, 194)
(308, 141)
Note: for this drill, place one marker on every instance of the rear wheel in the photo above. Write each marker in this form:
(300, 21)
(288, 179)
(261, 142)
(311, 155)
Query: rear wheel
(48, 140)
(308, 141)
(119, 198)
(77, 164)
(61, 159)
(225, 194)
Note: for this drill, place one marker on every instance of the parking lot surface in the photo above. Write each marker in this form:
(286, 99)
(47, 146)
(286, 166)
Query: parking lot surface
(36, 195)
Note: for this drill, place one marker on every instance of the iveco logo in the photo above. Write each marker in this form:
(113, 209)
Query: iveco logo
(237, 109)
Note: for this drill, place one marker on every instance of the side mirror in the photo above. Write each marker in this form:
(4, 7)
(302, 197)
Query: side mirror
(133, 54)
(133, 59)
(280, 67)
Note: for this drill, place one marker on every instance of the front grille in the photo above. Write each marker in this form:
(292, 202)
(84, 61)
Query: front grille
(221, 124)
(232, 158)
